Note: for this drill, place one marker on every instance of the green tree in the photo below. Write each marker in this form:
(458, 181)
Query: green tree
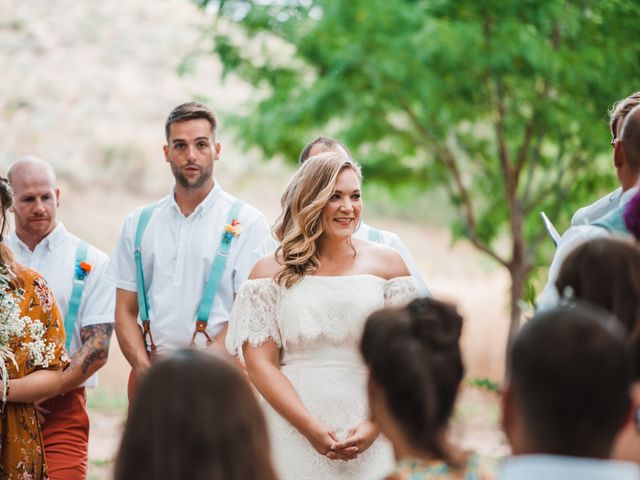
(502, 102)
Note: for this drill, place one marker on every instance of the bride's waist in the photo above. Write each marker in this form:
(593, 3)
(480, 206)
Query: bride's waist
(323, 364)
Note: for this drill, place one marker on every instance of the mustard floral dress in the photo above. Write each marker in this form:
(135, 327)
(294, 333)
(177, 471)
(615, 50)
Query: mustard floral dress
(21, 448)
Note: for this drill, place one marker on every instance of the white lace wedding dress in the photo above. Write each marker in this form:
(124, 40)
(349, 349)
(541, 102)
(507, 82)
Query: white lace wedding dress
(318, 323)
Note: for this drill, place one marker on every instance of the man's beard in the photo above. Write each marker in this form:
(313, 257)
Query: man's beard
(184, 182)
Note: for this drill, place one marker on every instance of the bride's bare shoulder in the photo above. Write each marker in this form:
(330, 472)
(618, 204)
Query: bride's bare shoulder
(382, 260)
(266, 267)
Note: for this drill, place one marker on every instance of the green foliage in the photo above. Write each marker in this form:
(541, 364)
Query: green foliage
(502, 102)
(484, 384)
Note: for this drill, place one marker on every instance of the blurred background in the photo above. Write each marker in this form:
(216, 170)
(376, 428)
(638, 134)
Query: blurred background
(468, 119)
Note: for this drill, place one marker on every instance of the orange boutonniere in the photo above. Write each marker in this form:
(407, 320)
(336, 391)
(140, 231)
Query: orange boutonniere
(82, 270)
(231, 230)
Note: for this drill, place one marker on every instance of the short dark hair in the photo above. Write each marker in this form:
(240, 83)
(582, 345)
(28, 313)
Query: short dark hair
(606, 272)
(327, 142)
(190, 111)
(413, 353)
(620, 110)
(569, 371)
(194, 416)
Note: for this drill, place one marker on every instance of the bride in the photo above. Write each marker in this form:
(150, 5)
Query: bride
(297, 324)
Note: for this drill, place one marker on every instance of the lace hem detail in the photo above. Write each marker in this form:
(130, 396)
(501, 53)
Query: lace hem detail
(400, 291)
(253, 318)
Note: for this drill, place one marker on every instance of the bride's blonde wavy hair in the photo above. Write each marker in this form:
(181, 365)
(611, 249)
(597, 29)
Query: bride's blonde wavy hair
(299, 226)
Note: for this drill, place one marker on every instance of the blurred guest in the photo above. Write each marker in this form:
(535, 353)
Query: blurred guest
(627, 177)
(32, 333)
(567, 397)
(606, 273)
(364, 231)
(194, 417)
(626, 158)
(75, 270)
(415, 369)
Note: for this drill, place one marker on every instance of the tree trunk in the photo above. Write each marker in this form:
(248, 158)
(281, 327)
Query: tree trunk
(518, 272)
(519, 267)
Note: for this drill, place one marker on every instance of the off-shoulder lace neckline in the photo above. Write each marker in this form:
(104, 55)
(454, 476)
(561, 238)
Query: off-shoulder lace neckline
(351, 275)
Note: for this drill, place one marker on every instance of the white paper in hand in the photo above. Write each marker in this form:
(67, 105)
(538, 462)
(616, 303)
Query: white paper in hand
(551, 230)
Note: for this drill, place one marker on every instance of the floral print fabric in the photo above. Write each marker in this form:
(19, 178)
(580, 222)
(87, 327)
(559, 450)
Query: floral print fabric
(21, 448)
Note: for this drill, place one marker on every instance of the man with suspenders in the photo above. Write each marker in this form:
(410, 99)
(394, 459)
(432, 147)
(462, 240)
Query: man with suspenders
(75, 271)
(175, 262)
(364, 231)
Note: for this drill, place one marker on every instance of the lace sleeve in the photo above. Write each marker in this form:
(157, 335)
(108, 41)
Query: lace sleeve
(253, 317)
(399, 291)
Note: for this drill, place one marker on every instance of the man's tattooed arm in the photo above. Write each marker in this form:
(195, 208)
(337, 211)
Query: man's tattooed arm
(91, 356)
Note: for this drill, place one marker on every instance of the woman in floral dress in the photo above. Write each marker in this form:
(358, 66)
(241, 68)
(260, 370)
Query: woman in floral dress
(37, 345)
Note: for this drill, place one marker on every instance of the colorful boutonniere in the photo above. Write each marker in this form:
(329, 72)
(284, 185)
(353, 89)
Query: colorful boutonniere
(231, 231)
(82, 270)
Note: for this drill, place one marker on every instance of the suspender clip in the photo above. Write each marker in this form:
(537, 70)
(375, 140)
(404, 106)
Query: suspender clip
(146, 332)
(201, 327)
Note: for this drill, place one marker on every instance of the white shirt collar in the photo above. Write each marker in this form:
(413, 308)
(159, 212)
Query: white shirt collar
(556, 467)
(206, 202)
(50, 242)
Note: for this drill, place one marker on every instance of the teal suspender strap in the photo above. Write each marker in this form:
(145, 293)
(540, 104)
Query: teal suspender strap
(143, 221)
(79, 275)
(219, 264)
(375, 235)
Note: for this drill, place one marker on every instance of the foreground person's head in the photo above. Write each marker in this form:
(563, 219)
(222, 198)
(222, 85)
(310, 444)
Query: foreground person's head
(415, 369)
(194, 416)
(606, 272)
(568, 380)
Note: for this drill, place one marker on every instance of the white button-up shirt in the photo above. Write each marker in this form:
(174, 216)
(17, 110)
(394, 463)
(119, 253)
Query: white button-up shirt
(572, 238)
(387, 238)
(177, 254)
(55, 259)
(556, 467)
(597, 209)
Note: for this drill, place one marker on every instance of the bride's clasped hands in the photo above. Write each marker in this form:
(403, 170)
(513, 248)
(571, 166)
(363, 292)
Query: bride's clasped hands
(325, 440)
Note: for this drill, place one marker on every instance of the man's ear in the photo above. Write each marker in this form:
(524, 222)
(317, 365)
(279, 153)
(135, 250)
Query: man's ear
(165, 149)
(57, 197)
(218, 148)
(619, 158)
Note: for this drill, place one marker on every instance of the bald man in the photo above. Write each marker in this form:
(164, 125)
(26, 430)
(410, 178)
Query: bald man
(75, 272)
(626, 156)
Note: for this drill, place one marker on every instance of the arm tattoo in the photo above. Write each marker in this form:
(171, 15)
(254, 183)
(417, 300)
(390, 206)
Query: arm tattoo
(95, 341)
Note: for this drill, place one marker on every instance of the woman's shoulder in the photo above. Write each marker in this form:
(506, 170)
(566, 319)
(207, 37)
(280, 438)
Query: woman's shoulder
(382, 260)
(266, 267)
